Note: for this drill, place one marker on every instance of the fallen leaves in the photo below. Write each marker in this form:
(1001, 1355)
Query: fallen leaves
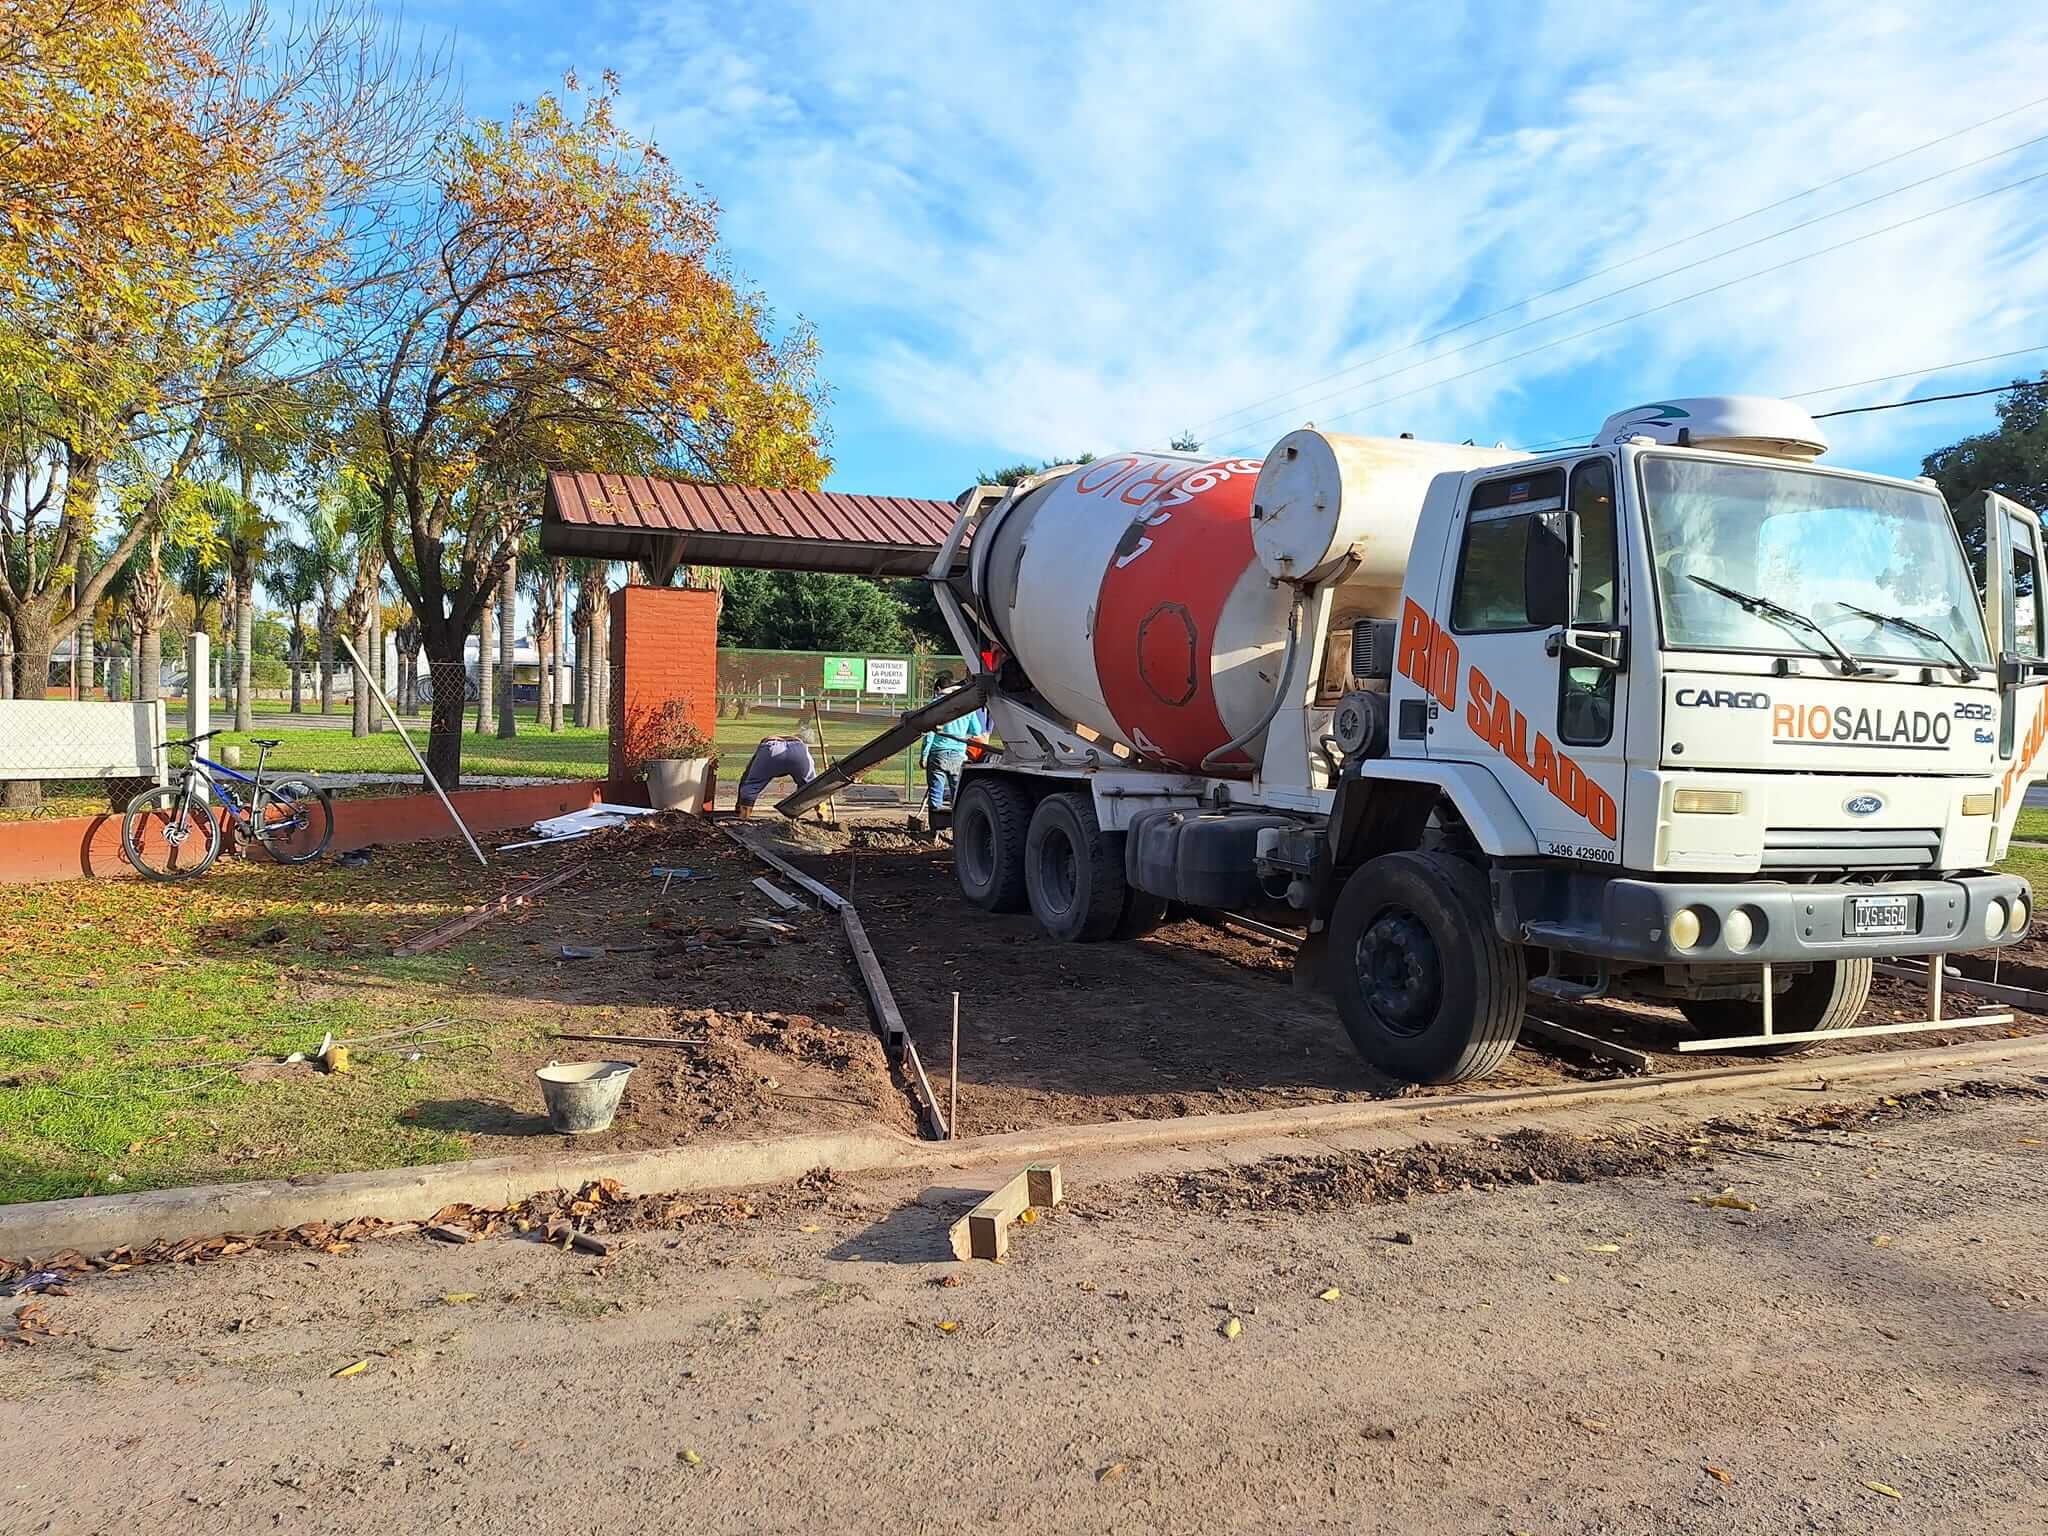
(1561, 1279)
(1718, 1474)
(1231, 1328)
(1605, 1248)
(350, 1370)
(1727, 1200)
(691, 1458)
(1882, 1240)
(1884, 1488)
(457, 1298)
(1332, 1294)
(1112, 1472)
(949, 1326)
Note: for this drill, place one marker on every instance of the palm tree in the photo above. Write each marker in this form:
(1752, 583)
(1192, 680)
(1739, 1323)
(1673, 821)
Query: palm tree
(326, 549)
(149, 602)
(293, 579)
(253, 435)
(199, 566)
(357, 513)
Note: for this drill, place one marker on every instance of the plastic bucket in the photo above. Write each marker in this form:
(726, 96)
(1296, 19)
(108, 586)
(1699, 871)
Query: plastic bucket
(582, 1096)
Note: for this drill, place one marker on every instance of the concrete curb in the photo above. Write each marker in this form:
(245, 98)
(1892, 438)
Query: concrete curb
(94, 1223)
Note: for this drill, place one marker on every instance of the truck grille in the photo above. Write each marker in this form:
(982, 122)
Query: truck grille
(1851, 847)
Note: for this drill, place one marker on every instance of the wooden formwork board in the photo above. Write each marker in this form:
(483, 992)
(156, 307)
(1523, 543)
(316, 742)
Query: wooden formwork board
(984, 1232)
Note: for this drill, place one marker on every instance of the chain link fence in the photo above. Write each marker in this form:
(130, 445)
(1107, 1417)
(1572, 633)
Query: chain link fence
(478, 724)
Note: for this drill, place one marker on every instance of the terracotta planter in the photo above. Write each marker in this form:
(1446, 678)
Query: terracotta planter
(681, 783)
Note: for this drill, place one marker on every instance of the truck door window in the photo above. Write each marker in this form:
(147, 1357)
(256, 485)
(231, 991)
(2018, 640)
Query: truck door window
(1973, 528)
(1490, 598)
(1585, 700)
(2023, 613)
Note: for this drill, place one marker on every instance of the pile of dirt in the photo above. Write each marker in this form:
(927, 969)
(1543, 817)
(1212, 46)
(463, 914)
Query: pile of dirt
(1343, 1181)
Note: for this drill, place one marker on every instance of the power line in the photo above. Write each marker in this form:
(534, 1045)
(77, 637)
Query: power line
(1659, 250)
(1608, 325)
(1644, 282)
(1556, 440)
(1967, 394)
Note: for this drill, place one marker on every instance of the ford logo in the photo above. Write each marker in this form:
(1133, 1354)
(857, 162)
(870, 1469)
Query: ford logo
(1863, 805)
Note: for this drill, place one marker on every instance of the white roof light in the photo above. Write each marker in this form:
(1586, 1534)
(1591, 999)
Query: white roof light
(1732, 423)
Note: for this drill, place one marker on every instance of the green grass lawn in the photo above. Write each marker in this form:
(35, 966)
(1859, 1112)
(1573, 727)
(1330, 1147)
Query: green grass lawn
(131, 1015)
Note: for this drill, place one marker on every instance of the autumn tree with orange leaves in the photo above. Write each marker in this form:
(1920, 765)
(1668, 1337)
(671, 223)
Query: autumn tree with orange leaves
(190, 194)
(571, 309)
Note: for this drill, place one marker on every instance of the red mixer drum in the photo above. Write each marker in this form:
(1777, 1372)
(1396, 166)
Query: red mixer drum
(1129, 592)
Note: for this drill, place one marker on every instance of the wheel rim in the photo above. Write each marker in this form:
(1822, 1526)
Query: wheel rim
(974, 845)
(1057, 876)
(1400, 972)
(167, 842)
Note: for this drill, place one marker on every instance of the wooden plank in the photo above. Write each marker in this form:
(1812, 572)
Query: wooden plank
(1736, 1042)
(984, 1232)
(777, 894)
(824, 893)
(2026, 997)
(656, 1041)
(886, 1014)
(1592, 1045)
(435, 938)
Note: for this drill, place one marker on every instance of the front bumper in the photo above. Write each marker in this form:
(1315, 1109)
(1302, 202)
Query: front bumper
(1617, 918)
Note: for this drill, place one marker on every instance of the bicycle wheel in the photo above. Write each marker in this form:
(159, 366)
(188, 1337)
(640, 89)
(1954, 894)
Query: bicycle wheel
(294, 821)
(168, 835)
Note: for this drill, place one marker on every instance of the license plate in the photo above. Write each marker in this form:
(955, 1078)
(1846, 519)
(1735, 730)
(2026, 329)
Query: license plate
(1872, 915)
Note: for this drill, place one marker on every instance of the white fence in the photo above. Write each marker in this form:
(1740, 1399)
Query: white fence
(63, 739)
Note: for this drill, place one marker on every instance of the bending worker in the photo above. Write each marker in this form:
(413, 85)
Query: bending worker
(775, 757)
(945, 752)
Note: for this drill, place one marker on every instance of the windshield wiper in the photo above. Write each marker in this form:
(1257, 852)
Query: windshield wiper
(1909, 627)
(1792, 617)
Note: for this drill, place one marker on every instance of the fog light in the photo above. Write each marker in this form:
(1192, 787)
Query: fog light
(2018, 921)
(1737, 930)
(1685, 929)
(1994, 919)
(1707, 802)
(1985, 804)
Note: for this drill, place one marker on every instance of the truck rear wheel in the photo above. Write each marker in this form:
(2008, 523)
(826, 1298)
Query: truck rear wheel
(990, 822)
(1427, 988)
(1073, 870)
(1830, 996)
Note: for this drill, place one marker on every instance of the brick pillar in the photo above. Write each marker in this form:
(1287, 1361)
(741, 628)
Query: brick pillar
(664, 645)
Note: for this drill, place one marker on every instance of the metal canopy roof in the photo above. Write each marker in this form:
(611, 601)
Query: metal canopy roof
(664, 524)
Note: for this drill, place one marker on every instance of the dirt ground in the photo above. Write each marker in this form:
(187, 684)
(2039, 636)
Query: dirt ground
(1802, 1313)
(1196, 1018)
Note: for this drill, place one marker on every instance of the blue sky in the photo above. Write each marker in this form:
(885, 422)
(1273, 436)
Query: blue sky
(1029, 230)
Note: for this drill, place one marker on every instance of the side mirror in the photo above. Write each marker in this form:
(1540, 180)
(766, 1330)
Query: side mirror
(2013, 668)
(1547, 569)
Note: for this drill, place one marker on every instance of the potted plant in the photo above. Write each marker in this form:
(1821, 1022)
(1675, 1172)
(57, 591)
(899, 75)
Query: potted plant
(681, 772)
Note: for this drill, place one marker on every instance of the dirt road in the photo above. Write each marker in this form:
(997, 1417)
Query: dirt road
(1598, 1351)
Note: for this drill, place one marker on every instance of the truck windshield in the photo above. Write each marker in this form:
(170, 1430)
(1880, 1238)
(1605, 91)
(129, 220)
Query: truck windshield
(1821, 545)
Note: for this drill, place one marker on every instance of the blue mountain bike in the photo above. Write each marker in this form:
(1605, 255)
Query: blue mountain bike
(172, 833)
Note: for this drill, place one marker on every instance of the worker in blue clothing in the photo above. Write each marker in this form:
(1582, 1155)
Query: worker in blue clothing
(945, 753)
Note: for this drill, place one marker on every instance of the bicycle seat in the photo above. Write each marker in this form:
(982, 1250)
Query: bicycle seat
(258, 741)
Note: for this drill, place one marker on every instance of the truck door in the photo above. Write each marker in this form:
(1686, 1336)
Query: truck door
(1541, 703)
(2003, 541)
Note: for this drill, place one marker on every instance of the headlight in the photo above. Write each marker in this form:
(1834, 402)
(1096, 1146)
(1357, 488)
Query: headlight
(1994, 919)
(1737, 930)
(2020, 914)
(1685, 928)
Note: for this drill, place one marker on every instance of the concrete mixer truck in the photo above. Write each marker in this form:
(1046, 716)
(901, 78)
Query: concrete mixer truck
(1678, 716)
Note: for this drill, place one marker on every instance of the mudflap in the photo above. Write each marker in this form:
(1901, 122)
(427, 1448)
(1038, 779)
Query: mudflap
(1311, 962)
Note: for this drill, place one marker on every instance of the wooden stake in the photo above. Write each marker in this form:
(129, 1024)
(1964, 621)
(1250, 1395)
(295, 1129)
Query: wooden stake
(953, 1101)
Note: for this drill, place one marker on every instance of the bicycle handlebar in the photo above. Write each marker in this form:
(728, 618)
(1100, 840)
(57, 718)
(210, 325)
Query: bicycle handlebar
(192, 741)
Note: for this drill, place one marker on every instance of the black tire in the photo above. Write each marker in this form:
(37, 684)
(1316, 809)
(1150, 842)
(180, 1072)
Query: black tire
(1830, 996)
(164, 844)
(1427, 988)
(1073, 870)
(294, 821)
(991, 820)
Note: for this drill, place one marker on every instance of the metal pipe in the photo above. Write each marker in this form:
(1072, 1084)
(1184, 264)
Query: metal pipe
(391, 714)
(1279, 688)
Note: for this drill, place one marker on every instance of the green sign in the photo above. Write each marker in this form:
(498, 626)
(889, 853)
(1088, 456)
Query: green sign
(848, 672)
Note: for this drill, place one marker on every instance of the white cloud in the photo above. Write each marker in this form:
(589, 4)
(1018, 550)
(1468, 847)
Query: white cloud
(1035, 233)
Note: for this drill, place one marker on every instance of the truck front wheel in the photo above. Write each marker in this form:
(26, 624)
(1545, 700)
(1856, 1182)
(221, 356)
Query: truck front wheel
(1831, 996)
(1427, 988)
(990, 821)
(1073, 870)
